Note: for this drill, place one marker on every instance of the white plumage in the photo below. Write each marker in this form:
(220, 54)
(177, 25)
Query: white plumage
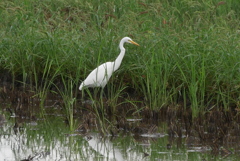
(100, 75)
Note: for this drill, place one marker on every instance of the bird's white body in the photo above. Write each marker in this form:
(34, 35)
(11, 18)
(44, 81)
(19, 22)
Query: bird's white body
(100, 75)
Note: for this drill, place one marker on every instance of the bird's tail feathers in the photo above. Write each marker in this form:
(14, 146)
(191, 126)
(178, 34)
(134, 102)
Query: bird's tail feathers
(81, 86)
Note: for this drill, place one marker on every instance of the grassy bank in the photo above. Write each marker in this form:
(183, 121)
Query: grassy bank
(189, 51)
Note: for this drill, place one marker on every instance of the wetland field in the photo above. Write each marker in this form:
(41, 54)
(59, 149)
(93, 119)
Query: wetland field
(174, 97)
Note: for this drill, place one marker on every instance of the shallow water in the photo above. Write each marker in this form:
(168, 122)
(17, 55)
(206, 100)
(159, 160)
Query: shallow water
(26, 138)
(30, 132)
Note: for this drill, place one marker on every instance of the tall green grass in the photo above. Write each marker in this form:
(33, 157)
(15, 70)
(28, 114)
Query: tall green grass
(189, 50)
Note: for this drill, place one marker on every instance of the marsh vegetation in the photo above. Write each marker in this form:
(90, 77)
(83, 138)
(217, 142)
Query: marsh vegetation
(186, 70)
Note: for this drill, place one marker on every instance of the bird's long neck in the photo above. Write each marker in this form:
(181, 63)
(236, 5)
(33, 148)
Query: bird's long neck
(118, 61)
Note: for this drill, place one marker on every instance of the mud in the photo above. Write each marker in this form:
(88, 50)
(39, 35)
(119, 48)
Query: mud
(215, 130)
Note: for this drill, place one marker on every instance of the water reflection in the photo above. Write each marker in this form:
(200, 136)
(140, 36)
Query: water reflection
(49, 140)
(104, 146)
(36, 141)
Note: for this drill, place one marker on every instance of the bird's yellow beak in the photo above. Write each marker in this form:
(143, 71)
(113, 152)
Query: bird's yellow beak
(134, 42)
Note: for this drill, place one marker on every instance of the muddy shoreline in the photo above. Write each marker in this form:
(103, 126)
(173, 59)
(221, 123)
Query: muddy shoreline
(216, 129)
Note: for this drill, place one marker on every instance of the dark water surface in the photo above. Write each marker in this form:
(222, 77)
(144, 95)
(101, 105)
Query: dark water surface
(28, 133)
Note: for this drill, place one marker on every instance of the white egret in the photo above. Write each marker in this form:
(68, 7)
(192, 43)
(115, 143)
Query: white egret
(100, 75)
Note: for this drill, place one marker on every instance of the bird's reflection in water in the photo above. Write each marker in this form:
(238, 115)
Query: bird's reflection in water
(104, 147)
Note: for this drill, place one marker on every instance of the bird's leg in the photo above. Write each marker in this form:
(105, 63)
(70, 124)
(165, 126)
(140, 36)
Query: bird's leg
(95, 93)
(82, 96)
(104, 94)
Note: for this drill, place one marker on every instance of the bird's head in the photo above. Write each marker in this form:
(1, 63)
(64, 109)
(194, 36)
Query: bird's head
(129, 40)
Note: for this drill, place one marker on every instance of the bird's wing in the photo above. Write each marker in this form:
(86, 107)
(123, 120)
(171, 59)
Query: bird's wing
(100, 75)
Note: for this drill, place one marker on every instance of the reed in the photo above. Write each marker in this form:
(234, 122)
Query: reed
(189, 49)
(69, 103)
